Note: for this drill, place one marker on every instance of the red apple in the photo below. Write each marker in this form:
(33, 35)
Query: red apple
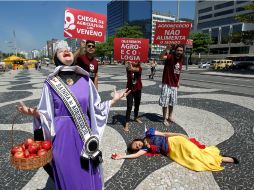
(23, 146)
(19, 154)
(28, 142)
(26, 154)
(33, 148)
(114, 155)
(16, 149)
(41, 152)
(46, 145)
(38, 143)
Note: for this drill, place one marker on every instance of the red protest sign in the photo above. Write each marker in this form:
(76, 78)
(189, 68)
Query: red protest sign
(131, 49)
(171, 32)
(84, 25)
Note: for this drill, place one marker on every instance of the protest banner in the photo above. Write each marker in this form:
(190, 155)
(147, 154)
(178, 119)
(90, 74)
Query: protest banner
(84, 25)
(131, 49)
(167, 33)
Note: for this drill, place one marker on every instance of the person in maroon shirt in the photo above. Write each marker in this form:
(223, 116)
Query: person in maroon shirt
(88, 62)
(170, 81)
(134, 84)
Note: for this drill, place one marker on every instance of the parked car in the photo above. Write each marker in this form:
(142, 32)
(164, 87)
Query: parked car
(221, 64)
(244, 62)
(205, 64)
(251, 67)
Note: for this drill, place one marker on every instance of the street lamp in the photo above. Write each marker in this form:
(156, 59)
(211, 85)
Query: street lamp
(178, 10)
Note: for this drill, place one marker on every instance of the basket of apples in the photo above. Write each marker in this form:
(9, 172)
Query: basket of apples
(31, 154)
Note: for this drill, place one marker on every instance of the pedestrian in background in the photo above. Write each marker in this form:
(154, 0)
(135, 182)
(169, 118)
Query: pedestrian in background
(170, 81)
(134, 83)
(153, 68)
(36, 65)
(88, 62)
(39, 65)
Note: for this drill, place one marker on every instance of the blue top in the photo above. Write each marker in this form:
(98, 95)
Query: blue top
(160, 142)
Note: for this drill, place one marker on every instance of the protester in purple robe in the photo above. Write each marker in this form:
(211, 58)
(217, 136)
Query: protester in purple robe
(57, 124)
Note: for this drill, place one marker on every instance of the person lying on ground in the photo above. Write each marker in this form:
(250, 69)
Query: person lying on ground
(180, 149)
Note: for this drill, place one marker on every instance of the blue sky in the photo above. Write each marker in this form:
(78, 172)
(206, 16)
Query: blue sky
(35, 22)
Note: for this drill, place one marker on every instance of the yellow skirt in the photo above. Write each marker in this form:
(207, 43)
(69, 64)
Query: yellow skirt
(187, 154)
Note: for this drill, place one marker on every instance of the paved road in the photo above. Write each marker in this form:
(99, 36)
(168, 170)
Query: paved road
(213, 116)
(226, 81)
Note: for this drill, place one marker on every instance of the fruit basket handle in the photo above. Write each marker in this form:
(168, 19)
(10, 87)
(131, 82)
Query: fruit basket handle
(13, 121)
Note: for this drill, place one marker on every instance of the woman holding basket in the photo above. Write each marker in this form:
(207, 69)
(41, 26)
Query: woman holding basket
(72, 116)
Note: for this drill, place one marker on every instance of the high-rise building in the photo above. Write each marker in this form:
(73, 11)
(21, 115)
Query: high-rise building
(44, 51)
(50, 47)
(73, 43)
(35, 54)
(159, 17)
(132, 12)
(217, 18)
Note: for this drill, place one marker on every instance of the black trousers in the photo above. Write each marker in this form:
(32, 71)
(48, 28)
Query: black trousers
(136, 96)
(38, 136)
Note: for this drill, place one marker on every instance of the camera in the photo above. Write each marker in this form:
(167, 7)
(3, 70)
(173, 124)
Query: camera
(91, 145)
(92, 153)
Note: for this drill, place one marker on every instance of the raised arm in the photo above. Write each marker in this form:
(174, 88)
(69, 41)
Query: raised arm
(130, 156)
(133, 69)
(163, 55)
(78, 51)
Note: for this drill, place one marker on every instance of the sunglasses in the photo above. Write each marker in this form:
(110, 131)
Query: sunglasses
(91, 46)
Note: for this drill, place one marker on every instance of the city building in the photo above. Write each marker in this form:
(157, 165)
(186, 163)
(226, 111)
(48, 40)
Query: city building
(159, 17)
(50, 47)
(26, 55)
(35, 54)
(217, 18)
(74, 44)
(133, 12)
(44, 51)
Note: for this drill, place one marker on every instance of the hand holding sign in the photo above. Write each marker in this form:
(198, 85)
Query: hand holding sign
(129, 66)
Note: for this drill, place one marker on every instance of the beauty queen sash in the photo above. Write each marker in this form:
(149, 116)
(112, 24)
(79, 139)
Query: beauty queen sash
(90, 149)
